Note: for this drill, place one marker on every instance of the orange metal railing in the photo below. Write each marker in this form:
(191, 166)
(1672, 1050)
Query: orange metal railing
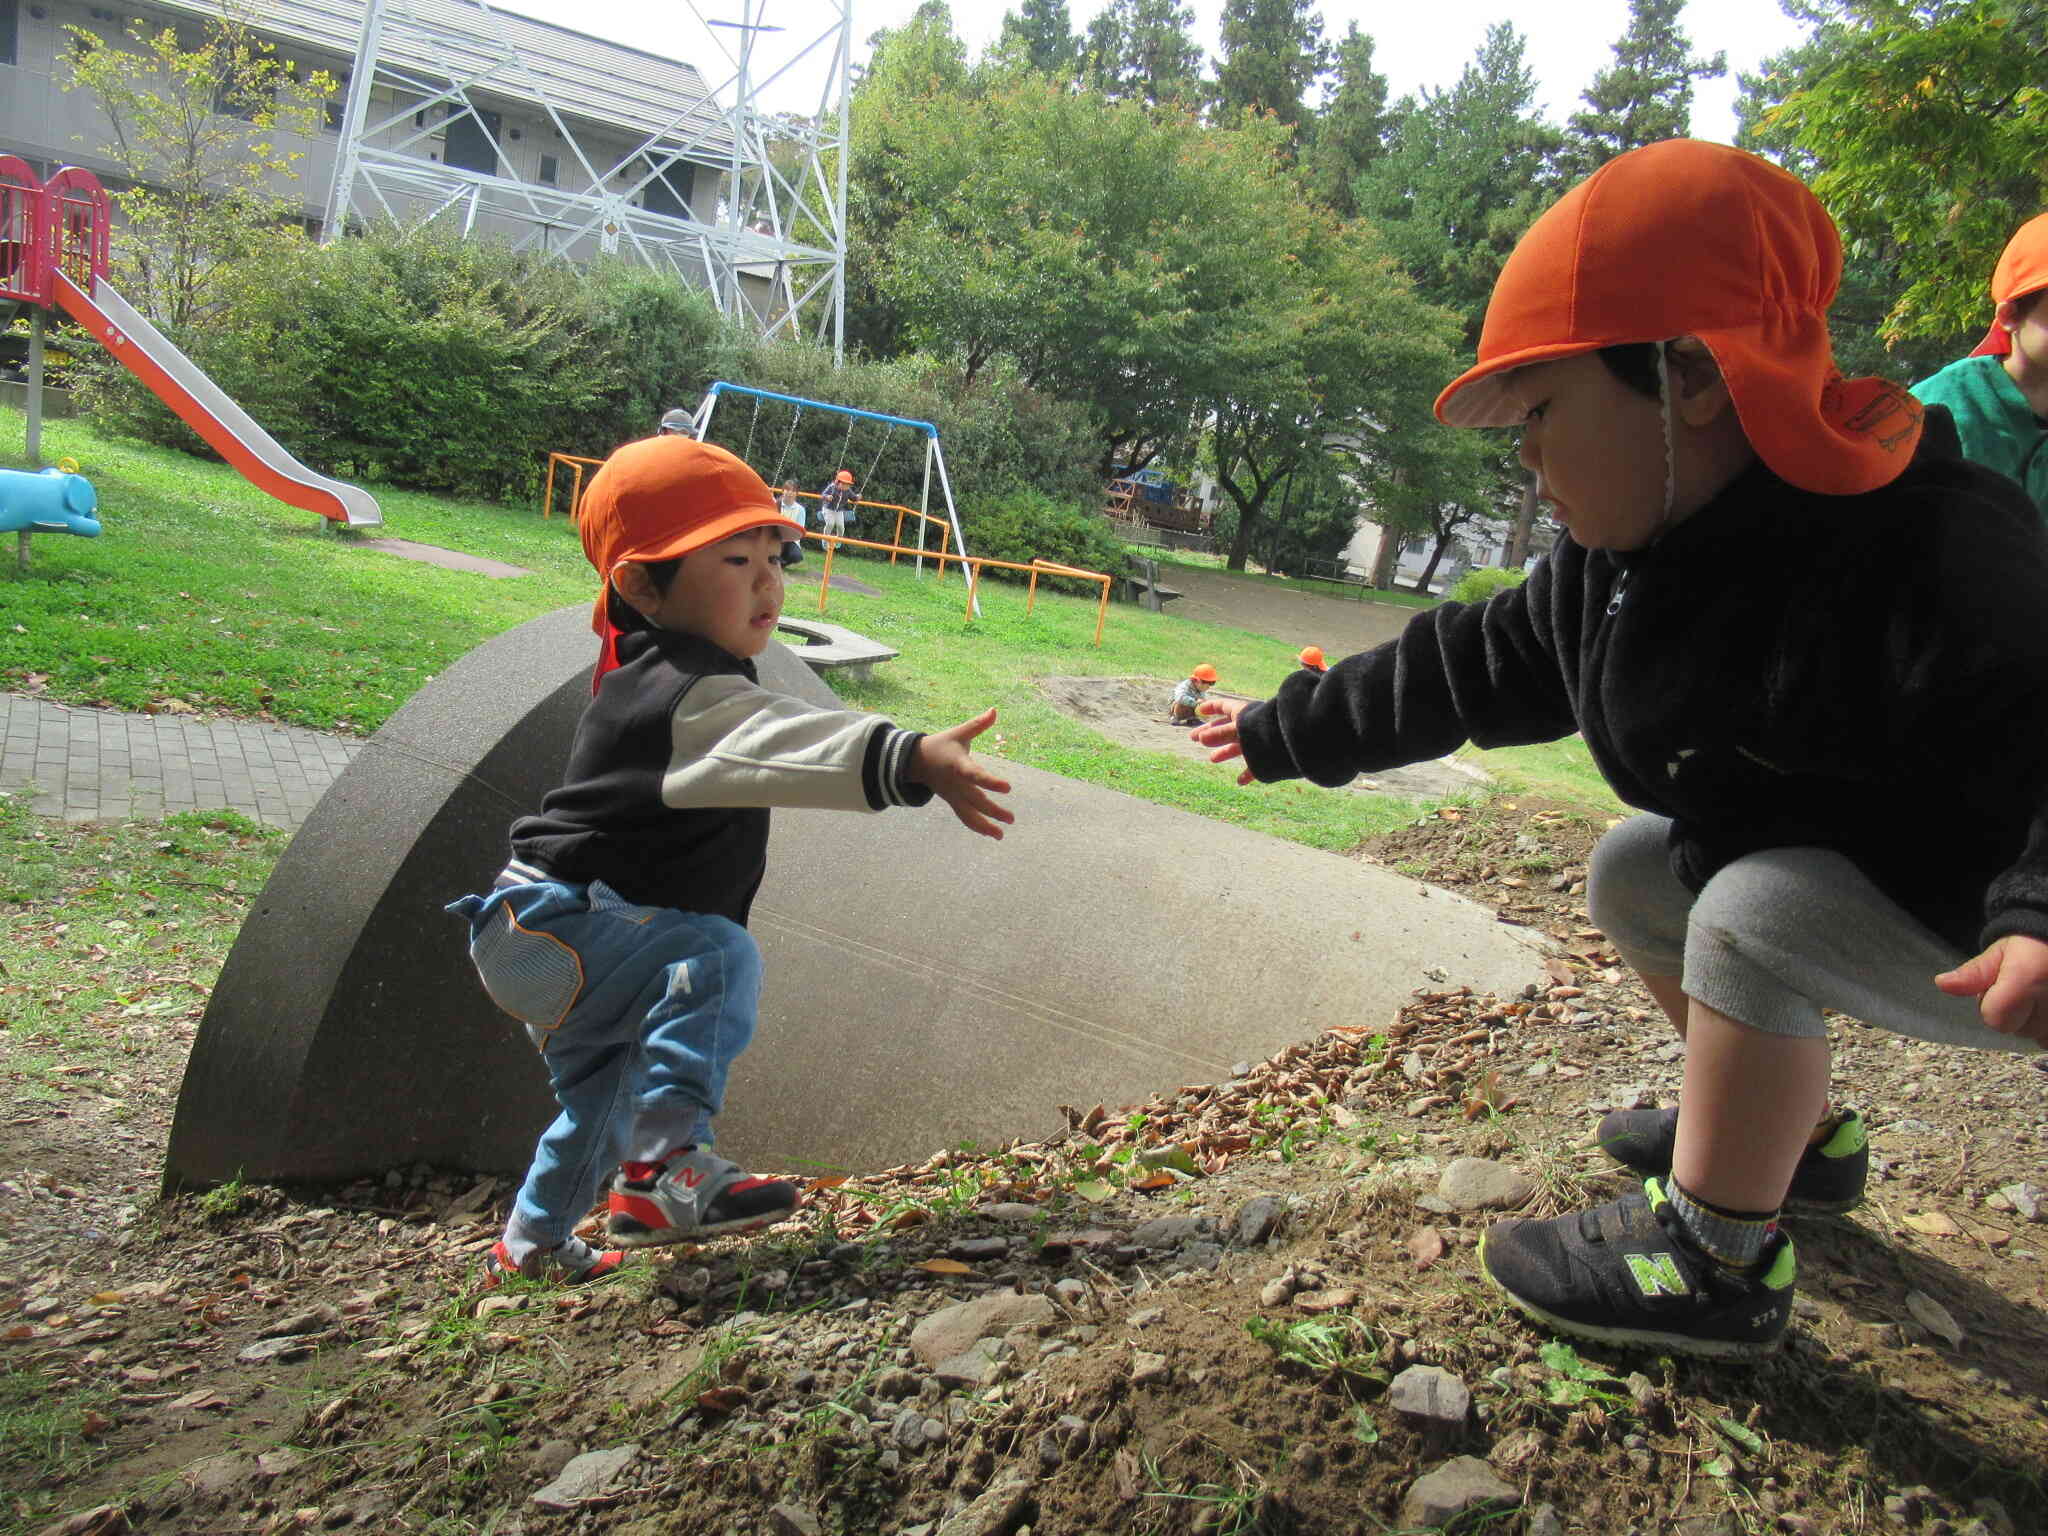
(577, 463)
(974, 564)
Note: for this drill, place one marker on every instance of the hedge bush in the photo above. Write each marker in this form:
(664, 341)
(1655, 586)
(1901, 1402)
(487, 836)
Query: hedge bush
(455, 366)
(1477, 586)
(1025, 525)
(440, 364)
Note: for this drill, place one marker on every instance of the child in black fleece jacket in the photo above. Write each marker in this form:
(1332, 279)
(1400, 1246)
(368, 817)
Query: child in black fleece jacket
(1805, 638)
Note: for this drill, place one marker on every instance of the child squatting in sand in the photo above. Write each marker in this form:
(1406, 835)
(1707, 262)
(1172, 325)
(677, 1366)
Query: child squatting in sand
(1803, 637)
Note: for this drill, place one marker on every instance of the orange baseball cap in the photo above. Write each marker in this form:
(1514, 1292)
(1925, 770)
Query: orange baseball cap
(665, 496)
(2022, 269)
(844, 477)
(1686, 238)
(1204, 673)
(1312, 656)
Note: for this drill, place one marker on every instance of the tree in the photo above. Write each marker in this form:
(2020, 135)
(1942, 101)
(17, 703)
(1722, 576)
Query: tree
(195, 134)
(1468, 171)
(1041, 33)
(1144, 50)
(1117, 255)
(1341, 359)
(1350, 131)
(1272, 52)
(910, 66)
(1646, 93)
(1924, 129)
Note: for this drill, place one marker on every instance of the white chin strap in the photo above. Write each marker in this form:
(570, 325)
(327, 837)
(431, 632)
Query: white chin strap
(1670, 443)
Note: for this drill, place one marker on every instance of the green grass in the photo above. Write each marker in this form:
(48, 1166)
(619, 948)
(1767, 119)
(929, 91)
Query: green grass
(1555, 770)
(204, 590)
(1217, 565)
(46, 1432)
(201, 588)
(113, 932)
(951, 670)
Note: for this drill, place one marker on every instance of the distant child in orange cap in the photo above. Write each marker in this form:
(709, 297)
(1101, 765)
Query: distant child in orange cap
(836, 503)
(617, 932)
(1311, 656)
(1999, 393)
(1185, 707)
(1805, 638)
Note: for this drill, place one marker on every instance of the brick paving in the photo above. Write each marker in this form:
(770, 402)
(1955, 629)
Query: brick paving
(103, 764)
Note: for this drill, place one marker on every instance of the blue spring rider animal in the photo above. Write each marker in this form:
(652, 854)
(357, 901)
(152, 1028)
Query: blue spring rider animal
(50, 501)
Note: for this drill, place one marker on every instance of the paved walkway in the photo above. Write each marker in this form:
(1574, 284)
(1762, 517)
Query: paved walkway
(94, 764)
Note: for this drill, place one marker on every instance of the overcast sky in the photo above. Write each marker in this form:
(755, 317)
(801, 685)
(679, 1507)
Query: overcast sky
(1416, 45)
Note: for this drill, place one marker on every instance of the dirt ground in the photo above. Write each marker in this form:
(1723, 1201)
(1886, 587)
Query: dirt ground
(1243, 1307)
(1132, 712)
(1338, 623)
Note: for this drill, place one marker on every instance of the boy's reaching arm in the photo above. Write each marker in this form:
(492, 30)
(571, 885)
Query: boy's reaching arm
(1219, 730)
(942, 762)
(734, 744)
(1484, 672)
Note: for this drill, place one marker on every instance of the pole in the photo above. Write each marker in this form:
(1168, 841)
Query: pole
(341, 192)
(953, 516)
(32, 434)
(924, 503)
(839, 208)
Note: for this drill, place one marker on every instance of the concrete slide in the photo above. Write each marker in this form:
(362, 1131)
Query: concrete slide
(204, 407)
(924, 986)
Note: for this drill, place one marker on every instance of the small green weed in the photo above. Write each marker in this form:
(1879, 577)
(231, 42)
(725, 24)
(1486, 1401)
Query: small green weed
(1235, 1505)
(224, 1202)
(1337, 1345)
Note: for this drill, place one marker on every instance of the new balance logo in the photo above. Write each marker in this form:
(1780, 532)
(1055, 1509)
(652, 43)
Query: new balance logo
(1657, 1275)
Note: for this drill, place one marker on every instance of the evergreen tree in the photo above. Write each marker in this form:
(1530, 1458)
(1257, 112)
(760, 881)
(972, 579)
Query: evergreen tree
(1646, 93)
(1041, 32)
(1467, 171)
(1144, 50)
(1350, 131)
(1272, 52)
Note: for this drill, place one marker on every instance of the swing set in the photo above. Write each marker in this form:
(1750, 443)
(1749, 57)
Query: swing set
(934, 462)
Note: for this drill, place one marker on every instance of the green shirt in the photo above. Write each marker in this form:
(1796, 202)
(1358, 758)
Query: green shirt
(1998, 428)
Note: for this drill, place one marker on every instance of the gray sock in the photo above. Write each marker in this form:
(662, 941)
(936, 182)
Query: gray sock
(1735, 1239)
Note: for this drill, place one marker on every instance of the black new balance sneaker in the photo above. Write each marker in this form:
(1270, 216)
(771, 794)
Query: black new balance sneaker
(1828, 1181)
(1628, 1273)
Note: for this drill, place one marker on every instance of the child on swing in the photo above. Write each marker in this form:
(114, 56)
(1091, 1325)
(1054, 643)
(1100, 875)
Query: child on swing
(1804, 637)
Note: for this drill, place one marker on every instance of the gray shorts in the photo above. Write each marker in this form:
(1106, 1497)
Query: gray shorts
(1779, 935)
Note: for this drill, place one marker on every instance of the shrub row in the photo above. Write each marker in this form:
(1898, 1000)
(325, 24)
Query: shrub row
(455, 366)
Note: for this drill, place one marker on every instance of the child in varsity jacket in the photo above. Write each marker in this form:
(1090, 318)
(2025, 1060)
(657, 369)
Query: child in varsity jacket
(617, 932)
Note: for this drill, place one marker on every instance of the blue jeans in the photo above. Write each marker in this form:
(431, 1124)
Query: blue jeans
(638, 1012)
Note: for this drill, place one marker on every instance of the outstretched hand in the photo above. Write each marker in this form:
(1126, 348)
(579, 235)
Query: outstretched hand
(1221, 732)
(943, 762)
(2010, 981)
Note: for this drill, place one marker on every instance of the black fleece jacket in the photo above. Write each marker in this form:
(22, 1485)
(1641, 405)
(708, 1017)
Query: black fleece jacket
(1863, 673)
(675, 764)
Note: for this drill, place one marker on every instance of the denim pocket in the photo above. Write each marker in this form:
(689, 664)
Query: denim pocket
(528, 972)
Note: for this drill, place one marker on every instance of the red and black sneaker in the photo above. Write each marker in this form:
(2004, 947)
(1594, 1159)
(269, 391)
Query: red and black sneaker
(689, 1194)
(574, 1262)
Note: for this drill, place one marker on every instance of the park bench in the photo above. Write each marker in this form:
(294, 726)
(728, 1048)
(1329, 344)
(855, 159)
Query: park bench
(831, 647)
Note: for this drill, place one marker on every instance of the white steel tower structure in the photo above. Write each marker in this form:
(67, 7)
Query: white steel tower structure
(682, 175)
